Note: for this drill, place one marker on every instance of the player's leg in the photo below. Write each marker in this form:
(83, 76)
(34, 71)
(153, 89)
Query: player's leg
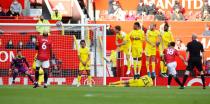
(114, 71)
(29, 76)
(170, 74)
(163, 67)
(187, 73)
(89, 78)
(147, 65)
(14, 75)
(200, 69)
(45, 66)
(174, 73)
(38, 65)
(79, 77)
(139, 63)
(153, 59)
(135, 67)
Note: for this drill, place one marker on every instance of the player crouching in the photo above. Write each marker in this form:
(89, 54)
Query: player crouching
(84, 65)
(17, 66)
(169, 56)
(144, 81)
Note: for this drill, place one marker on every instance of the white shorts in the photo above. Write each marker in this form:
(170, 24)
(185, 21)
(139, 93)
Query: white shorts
(43, 64)
(172, 68)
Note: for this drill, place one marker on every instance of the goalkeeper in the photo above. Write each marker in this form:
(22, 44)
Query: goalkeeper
(144, 81)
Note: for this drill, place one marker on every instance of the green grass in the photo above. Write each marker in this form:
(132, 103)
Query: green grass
(103, 95)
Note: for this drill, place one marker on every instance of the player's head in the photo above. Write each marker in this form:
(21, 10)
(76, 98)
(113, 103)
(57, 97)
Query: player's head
(117, 29)
(45, 33)
(194, 37)
(166, 27)
(136, 26)
(172, 44)
(19, 53)
(41, 18)
(82, 43)
(152, 26)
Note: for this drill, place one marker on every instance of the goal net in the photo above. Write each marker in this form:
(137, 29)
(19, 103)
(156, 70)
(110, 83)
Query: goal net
(65, 39)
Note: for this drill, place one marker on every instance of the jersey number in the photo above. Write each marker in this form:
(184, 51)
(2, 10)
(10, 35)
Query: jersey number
(44, 46)
(170, 51)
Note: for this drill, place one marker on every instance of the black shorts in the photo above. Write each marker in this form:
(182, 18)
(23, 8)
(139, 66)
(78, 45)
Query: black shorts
(196, 62)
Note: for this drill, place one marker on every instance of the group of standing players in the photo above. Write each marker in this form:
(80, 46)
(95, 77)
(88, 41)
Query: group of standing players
(132, 45)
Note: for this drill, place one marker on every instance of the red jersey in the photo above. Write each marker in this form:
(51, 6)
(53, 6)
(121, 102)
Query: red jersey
(44, 47)
(170, 54)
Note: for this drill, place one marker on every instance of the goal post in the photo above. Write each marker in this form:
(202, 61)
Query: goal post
(65, 66)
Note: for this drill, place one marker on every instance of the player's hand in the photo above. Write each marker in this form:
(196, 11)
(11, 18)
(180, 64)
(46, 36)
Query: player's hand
(84, 63)
(185, 62)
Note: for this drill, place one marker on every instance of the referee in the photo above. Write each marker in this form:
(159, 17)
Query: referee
(194, 50)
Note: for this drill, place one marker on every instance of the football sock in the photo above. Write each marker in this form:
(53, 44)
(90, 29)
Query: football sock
(89, 79)
(153, 66)
(45, 76)
(203, 80)
(15, 74)
(184, 80)
(129, 64)
(162, 67)
(169, 79)
(79, 78)
(31, 79)
(177, 80)
(139, 66)
(135, 66)
(147, 66)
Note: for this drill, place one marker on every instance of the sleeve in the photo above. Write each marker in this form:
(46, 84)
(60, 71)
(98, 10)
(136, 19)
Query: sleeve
(202, 50)
(176, 52)
(12, 63)
(188, 46)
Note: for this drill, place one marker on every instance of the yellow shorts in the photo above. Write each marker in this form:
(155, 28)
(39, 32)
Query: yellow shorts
(150, 51)
(136, 83)
(82, 67)
(136, 52)
(125, 49)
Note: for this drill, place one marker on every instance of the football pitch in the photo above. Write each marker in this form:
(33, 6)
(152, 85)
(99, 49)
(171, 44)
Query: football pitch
(103, 95)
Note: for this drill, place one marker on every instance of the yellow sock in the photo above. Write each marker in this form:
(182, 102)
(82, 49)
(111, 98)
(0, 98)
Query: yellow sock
(153, 66)
(162, 67)
(79, 78)
(139, 66)
(129, 64)
(147, 66)
(165, 69)
(134, 66)
(89, 79)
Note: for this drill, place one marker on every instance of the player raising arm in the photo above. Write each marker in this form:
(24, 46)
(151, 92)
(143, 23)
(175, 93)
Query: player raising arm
(17, 66)
(169, 56)
(84, 65)
(44, 47)
(123, 44)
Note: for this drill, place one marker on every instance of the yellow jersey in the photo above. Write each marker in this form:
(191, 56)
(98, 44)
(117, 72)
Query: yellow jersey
(123, 37)
(84, 53)
(167, 37)
(137, 34)
(152, 37)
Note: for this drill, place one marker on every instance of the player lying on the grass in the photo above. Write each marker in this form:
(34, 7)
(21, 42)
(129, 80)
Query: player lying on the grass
(44, 47)
(144, 81)
(84, 65)
(169, 56)
(41, 71)
(17, 66)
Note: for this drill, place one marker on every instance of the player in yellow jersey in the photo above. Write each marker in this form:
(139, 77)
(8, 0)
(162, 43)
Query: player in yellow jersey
(41, 71)
(84, 65)
(137, 38)
(165, 38)
(150, 49)
(144, 81)
(123, 44)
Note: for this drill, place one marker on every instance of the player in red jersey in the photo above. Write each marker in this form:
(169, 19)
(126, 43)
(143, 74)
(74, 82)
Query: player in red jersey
(44, 47)
(169, 57)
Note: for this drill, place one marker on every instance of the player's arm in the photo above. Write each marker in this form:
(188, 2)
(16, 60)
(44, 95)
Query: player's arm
(80, 59)
(182, 58)
(203, 54)
(116, 41)
(88, 59)
(26, 62)
(147, 40)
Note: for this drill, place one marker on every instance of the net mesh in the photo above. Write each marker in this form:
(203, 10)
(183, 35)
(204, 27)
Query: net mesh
(65, 65)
